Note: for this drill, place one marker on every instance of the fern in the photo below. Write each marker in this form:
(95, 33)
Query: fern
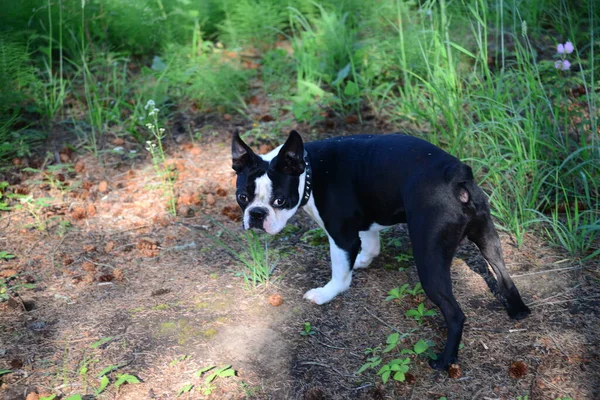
(16, 74)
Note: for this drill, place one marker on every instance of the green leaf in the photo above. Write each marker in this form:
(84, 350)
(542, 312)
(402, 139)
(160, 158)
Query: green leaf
(5, 371)
(203, 370)
(412, 313)
(100, 342)
(107, 370)
(185, 389)
(421, 346)
(126, 378)
(351, 89)
(385, 376)
(393, 338)
(342, 74)
(103, 384)
(399, 376)
(73, 397)
(226, 373)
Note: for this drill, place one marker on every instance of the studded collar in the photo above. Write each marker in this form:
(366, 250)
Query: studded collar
(307, 181)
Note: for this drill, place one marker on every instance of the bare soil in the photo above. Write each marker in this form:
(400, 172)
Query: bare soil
(171, 300)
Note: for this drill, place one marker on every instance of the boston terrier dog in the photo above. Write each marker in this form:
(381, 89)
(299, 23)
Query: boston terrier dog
(355, 186)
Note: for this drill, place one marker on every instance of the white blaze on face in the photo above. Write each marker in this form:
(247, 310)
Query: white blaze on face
(277, 217)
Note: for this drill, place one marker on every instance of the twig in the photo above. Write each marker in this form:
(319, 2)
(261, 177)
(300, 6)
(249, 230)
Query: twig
(327, 366)
(363, 386)
(497, 330)
(383, 322)
(556, 295)
(330, 346)
(127, 230)
(566, 301)
(548, 270)
(56, 248)
(558, 346)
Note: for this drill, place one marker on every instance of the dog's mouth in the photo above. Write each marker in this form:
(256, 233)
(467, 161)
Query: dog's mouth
(256, 225)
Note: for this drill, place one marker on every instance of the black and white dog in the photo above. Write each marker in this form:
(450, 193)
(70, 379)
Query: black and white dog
(353, 187)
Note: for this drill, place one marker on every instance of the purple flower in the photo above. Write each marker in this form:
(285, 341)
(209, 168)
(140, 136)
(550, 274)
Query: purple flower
(563, 65)
(569, 47)
(566, 48)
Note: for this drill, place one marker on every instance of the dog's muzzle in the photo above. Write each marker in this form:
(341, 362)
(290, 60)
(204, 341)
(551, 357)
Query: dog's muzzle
(257, 217)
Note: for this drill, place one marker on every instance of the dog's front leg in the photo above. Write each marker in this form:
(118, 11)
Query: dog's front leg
(342, 258)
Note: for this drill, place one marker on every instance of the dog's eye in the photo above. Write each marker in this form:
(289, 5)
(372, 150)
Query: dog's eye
(279, 202)
(242, 198)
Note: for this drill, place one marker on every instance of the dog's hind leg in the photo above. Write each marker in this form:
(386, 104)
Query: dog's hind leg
(370, 247)
(434, 242)
(481, 231)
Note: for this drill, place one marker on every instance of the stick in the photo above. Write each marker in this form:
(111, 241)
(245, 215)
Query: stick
(383, 322)
(548, 270)
(556, 295)
(327, 366)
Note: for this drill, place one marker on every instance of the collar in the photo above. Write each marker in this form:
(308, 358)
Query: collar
(307, 181)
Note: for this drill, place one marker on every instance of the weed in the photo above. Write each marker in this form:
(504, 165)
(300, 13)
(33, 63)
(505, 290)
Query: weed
(8, 290)
(315, 237)
(308, 329)
(258, 268)
(165, 172)
(34, 208)
(179, 359)
(398, 367)
(223, 372)
(4, 255)
(401, 292)
(419, 313)
(185, 389)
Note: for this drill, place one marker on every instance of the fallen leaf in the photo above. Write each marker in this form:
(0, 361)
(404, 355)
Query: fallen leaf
(103, 187)
(109, 246)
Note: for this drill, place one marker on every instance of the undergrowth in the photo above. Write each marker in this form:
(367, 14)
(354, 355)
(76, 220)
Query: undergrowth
(483, 79)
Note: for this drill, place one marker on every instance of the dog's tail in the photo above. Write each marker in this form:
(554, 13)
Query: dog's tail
(460, 178)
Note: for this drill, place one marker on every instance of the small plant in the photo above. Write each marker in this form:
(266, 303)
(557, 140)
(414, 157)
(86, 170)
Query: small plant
(308, 330)
(315, 237)
(185, 389)
(7, 291)
(167, 173)
(401, 292)
(398, 367)
(258, 266)
(4, 255)
(419, 313)
(424, 347)
(179, 359)
(34, 208)
(3, 205)
(222, 372)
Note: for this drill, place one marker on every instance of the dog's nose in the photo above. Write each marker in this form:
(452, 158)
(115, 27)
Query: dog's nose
(258, 213)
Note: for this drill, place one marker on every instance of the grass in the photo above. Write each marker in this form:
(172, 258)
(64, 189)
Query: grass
(474, 77)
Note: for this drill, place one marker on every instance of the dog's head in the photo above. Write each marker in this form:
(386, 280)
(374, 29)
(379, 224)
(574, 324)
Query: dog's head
(269, 187)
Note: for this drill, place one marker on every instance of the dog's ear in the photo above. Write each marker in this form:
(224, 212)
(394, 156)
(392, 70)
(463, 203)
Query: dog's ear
(241, 154)
(290, 159)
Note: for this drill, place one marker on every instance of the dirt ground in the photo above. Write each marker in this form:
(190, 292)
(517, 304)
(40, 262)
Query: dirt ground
(169, 301)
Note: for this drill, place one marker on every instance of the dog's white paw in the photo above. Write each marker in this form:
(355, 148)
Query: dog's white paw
(319, 295)
(362, 262)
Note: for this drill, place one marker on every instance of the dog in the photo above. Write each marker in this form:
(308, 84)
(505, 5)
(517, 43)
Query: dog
(355, 186)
